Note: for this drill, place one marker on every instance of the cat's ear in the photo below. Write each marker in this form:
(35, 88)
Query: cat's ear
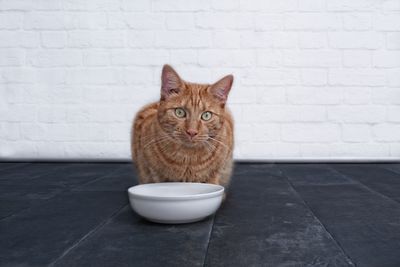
(170, 82)
(221, 88)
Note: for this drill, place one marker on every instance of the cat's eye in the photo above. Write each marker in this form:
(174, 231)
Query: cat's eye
(180, 112)
(206, 116)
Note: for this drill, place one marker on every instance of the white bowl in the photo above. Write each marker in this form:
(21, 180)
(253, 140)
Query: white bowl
(175, 202)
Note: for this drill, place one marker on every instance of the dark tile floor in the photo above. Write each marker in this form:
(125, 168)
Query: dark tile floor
(77, 214)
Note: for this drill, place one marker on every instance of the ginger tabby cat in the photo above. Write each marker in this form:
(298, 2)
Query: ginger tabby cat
(187, 136)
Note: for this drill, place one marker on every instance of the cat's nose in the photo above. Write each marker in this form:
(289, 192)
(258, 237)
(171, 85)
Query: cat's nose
(191, 132)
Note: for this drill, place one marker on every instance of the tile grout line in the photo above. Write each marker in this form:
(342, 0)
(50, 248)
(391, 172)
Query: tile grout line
(61, 192)
(101, 177)
(366, 187)
(323, 225)
(209, 239)
(87, 235)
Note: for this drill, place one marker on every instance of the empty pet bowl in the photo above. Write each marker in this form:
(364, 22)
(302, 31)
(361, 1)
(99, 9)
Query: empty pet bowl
(175, 202)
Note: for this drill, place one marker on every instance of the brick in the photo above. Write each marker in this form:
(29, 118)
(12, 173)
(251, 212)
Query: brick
(314, 77)
(10, 131)
(391, 5)
(55, 58)
(19, 39)
(268, 22)
(269, 5)
(393, 77)
(386, 132)
(178, 21)
(21, 113)
(144, 21)
(367, 40)
(268, 113)
(310, 113)
(314, 95)
(140, 39)
(314, 150)
(145, 57)
(235, 58)
(357, 95)
(307, 21)
(311, 5)
(18, 75)
(310, 133)
(226, 39)
(54, 39)
(192, 39)
(180, 5)
(244, 132)
(312, 39)
(265, 77)
(192, 73)
(357, 114)
(137, 75)
(137, 5)
(183, 56)
(354, 150)
(269, 58)
(22, 5)
(12, 57)
(357, 133)
(77, 114)
(92, 76)
(393, 114)
(10, 20)
(50, 76)
(386, 96)
(357, 58)
(357, 21)
(96, 57)
(364, 77)
(103, 5)
(241, 95)
(271, 95)
(266, 132)
(225, 5)
(46, 21)
(107, 114)
(97, 39)
(393, 40)
(62, 132)
(312, 58)
(51, 114)
(386, 59)
(354, 5)
(119, 132)
(224, 20)
(98, 95)
(387, 22)
(250, 150)
(33, 131)
(47, 5)
(395, 150)
(86, 20)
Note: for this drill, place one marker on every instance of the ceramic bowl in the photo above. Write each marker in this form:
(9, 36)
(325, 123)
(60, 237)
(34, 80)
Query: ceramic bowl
(175, 202)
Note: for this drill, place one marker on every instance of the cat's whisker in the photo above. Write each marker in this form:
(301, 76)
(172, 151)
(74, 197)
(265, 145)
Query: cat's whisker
(155, 141)
(220, 142)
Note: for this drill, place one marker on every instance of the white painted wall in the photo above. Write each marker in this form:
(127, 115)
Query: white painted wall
(314, 78)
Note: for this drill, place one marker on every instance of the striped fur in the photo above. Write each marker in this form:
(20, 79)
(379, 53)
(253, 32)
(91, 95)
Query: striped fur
(163, 151)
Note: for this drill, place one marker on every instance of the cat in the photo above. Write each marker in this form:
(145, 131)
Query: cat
(187, 136)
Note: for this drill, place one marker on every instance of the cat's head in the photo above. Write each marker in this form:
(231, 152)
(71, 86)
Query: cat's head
(192, 113)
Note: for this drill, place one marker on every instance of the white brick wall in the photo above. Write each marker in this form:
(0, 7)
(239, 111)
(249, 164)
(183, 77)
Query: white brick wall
(313, 79)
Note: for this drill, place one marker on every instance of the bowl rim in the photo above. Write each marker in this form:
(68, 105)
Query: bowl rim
(216, 193)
